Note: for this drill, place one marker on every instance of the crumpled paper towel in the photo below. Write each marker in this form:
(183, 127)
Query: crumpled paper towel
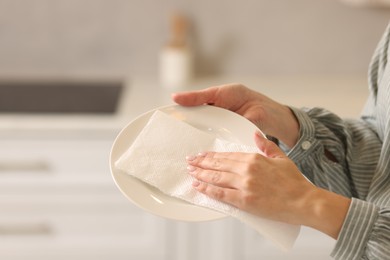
(157, 157)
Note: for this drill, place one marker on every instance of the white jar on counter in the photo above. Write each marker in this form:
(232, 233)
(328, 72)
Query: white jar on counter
(176, 58)
(176, 70)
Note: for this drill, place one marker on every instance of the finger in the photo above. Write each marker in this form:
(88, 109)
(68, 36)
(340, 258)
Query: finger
(216, 178)
(267, 147)
(242, 157)
(234, 156)
(208, 162)
(230, 196)
(195, 98)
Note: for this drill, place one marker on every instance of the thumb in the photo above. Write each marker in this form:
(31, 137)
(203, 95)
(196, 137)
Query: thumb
(195, 98)
(267, 147)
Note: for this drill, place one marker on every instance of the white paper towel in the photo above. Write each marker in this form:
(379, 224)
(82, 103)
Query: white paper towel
(157, 157)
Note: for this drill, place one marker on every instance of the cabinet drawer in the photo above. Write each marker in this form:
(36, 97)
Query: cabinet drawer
(58, 201)
(63, 200)
(136, 236)
(24, 160)
(81, 224)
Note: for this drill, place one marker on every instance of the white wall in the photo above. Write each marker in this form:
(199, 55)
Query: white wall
(250, 37)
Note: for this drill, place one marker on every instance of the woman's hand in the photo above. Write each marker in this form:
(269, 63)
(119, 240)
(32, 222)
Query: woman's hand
(268, 185)
(271, 117)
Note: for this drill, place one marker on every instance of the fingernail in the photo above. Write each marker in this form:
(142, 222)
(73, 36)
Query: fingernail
(191, 168)
(195, 183)
(190, 157)
(202, 154)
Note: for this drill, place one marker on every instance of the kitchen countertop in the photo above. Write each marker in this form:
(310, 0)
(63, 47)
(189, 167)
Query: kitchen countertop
(342, 95)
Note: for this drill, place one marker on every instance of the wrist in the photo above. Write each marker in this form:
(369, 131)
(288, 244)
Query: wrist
(325, 211)
(289, 130)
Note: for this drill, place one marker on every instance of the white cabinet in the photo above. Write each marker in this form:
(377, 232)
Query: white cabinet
(58, 201)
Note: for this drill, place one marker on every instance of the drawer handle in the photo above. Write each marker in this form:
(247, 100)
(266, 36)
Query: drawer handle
(26, 229)
(24, 166)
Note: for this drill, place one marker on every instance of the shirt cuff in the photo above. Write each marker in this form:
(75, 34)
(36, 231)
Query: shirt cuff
(306, 142)
(356, 230)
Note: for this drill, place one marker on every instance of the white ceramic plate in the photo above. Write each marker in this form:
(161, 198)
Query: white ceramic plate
(222, 123)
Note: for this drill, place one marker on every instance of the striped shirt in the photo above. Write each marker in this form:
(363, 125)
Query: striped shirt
(360, 166)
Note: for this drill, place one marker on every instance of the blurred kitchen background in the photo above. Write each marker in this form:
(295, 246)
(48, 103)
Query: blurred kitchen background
(73, 73)
(229, 38)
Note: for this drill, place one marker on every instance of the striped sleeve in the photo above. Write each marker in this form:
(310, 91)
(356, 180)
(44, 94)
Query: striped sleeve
(356, 231)
(351, 158)
(350, 169)
(336, 154)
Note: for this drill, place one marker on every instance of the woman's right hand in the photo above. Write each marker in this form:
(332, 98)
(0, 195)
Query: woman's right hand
(271, 117)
